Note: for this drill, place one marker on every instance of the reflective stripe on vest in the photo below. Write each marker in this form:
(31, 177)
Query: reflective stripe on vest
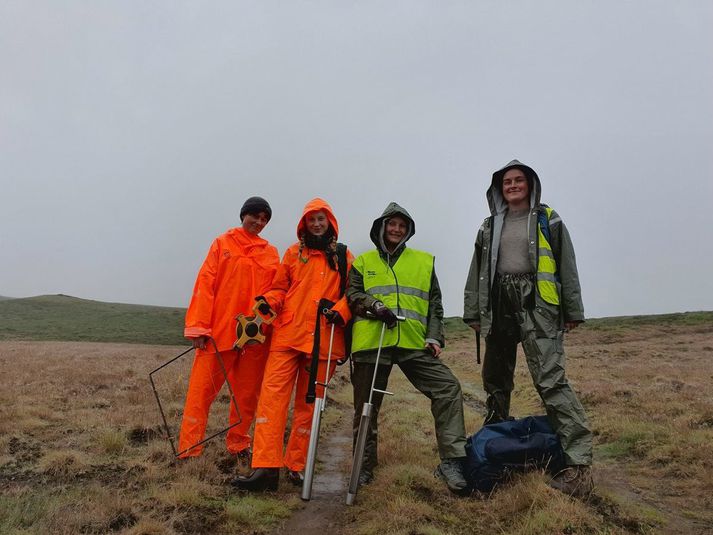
(404, 289)
(546, 267)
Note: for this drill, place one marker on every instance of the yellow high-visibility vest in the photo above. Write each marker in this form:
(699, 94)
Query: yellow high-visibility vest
(404, 288)
(546, 267)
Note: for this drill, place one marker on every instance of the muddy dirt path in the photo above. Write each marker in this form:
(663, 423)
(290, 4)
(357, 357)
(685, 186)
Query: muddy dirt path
(324, 513)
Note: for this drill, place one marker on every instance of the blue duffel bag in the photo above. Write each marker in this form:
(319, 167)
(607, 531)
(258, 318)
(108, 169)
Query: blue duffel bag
(498, 450)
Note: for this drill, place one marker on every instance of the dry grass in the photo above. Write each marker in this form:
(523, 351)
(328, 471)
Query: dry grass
(81, 449)
(650, 406)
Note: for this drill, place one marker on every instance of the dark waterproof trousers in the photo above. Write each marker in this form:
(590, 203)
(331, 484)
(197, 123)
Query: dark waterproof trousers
(433, 379)
(519, 315)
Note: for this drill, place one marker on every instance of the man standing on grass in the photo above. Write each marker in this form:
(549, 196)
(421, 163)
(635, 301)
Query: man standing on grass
(396, 280)
(523, 286)
(239, 266)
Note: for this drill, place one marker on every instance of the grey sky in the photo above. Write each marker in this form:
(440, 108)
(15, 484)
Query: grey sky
(131, 133)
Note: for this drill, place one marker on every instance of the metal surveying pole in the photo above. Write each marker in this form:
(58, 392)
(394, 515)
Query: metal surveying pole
(319, 404)
(364, 426)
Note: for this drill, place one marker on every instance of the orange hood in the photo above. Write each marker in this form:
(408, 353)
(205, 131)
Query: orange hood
(315, 205)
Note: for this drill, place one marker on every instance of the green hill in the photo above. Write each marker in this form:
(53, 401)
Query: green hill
(66, 318)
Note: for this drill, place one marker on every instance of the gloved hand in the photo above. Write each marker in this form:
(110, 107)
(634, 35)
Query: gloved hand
(263, 307)
(332, 316)
(383, 313)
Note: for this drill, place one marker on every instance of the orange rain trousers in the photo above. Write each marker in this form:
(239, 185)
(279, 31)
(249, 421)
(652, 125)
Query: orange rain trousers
(283, 369)
(238, 267)
(245, 372)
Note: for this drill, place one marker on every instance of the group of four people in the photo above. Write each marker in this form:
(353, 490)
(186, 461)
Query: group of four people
(522, 287)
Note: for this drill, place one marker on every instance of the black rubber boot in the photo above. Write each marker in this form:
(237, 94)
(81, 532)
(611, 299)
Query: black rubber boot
(295, 477)
(260, 480)
(365, 477)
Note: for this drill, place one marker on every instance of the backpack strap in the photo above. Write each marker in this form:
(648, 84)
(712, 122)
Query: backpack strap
(342, 267)
(543, 219)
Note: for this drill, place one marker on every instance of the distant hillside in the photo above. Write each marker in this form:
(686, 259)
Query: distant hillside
(66, 318)
(5, 298)
(62, 317)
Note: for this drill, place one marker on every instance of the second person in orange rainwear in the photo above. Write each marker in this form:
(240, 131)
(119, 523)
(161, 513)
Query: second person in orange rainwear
(240, 264)
(308, 273)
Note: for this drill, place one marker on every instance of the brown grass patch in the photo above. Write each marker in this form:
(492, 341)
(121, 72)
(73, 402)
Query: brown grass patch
(82, 449)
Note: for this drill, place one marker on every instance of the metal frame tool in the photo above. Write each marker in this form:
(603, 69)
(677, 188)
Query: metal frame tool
(163, 414)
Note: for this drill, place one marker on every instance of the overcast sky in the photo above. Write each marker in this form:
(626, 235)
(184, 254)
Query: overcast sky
(131, 133)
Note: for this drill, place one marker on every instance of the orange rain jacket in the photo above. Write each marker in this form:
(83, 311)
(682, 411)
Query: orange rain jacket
(301, 281)
(238, 267)
(297, 288)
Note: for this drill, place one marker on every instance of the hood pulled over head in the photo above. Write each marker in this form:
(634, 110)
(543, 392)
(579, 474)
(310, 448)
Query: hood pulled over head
(315, 205)
(496, 201)
(377, 228)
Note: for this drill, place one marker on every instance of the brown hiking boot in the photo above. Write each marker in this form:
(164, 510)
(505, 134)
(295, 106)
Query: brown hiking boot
(574, 480)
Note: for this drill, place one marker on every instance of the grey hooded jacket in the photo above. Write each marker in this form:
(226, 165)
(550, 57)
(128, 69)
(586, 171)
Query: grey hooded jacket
(360, 301)
(478, 307)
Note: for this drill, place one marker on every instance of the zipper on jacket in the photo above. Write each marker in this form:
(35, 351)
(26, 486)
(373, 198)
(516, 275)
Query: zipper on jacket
(398, 301)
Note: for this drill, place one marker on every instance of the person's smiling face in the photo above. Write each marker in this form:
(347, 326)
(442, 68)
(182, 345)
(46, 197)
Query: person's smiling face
(254, 223)
(394, 231)
(317, 223)
(516, 190)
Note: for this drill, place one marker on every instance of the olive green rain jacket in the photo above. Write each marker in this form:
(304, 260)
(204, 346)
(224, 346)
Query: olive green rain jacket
(478, 306)
(360, 301)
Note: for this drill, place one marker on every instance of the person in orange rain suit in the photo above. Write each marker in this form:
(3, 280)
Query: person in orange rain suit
(308, 273)
(239, 265)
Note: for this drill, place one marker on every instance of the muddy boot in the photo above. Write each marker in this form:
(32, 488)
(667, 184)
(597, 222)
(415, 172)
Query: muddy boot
(295, 477)
(451, 471)
(365, 477)
(260, 480)
(242, 461)
(492, 418)
(574, 480)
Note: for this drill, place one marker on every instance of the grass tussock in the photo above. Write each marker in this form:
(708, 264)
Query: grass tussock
(184, 493)
(63, 464)
(261, 513)
(149, 526)
(112, 442)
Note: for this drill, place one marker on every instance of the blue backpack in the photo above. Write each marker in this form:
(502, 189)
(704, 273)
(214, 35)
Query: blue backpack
(498, 450)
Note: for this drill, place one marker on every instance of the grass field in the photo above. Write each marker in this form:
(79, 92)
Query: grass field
(66, 318)
(81, 449)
